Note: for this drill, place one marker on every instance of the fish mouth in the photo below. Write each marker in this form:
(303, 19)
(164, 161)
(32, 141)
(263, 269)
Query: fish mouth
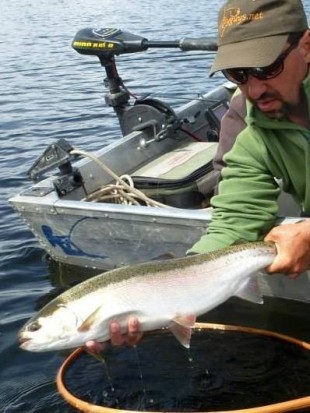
(23, 340)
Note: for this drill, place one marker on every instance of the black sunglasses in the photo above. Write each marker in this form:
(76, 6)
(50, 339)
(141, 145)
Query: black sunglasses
(241, 75)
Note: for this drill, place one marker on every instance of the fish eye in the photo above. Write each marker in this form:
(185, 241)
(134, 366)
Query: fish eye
(35, 326)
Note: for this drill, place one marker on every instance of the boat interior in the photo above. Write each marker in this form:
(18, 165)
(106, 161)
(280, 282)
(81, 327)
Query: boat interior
(164, 159)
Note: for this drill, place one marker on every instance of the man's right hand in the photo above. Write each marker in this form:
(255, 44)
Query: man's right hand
(293, 248)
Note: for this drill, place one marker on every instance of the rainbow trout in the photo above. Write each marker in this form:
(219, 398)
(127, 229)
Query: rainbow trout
(163, 294)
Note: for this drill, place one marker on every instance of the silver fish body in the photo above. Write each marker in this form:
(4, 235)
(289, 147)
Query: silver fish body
(164, 294)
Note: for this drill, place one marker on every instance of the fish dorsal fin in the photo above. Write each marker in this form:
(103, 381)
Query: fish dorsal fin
(87, 323)
(181, 328)
(250, 291)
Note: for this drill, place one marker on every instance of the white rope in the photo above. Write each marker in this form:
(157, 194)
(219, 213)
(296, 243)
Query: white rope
(121, 192)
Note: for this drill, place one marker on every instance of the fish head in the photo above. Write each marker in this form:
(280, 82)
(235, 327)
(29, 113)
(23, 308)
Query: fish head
(54, 330)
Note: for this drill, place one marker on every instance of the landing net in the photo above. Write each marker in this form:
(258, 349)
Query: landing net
(227, 369)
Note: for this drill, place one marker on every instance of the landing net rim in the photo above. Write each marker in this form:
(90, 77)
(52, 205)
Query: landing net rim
(282, 407)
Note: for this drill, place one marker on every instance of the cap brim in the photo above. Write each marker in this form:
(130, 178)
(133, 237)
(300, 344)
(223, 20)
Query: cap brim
(250, 53)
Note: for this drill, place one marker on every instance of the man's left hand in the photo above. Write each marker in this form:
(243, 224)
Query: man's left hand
(132, 336)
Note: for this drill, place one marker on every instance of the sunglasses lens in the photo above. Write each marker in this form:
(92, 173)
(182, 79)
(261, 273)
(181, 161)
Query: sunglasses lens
(237, 76)
(268, 72)
(240, 75)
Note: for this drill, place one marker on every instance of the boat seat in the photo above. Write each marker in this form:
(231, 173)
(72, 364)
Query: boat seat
(173, 178)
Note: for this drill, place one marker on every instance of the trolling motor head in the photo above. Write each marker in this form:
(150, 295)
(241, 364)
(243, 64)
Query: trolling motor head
(107, 42)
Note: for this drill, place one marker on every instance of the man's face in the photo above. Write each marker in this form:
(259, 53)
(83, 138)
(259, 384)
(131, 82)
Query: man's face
(278, 96)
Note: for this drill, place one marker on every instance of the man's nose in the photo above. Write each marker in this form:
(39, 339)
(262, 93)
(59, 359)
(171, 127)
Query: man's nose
(255, 88)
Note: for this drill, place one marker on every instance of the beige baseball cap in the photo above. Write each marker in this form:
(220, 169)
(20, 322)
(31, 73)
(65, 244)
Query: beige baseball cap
(252, 33)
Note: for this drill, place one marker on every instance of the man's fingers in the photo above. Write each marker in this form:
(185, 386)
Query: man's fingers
(115, 333)
(133, 326)
(94, 346)
(134, 333)
(131, 338)
(293, 275)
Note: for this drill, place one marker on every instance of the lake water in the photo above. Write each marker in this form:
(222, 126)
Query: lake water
(47, 92)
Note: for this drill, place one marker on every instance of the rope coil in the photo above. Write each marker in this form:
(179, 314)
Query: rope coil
(122, 192)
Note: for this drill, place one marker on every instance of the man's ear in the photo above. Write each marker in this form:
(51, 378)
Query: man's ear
(304, 45)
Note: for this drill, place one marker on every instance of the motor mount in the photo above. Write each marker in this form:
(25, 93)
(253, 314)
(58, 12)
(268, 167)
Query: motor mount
(58, 155)
(152, 116)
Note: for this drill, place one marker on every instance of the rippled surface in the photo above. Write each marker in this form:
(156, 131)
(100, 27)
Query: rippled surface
(223, 370)
(48, 91)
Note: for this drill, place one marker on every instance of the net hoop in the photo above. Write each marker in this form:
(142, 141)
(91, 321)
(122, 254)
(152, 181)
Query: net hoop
(287, 406)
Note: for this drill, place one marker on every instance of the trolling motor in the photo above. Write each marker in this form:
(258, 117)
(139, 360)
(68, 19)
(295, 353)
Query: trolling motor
(154, 117)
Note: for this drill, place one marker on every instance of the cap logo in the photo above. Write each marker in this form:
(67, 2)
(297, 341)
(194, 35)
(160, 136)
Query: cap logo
(235, 16)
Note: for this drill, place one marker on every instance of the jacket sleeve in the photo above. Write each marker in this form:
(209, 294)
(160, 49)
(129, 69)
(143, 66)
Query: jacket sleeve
(232, 124)
(246, 206)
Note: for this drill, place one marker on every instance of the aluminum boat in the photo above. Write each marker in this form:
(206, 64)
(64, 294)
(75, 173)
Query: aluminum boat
(147, 193)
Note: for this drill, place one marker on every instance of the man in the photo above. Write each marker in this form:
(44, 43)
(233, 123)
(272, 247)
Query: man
(264, 47)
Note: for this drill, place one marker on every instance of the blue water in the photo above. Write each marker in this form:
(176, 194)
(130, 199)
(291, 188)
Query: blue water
(47, 92)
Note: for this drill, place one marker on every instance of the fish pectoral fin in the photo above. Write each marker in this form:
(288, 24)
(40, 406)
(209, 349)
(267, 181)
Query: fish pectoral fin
(181, 328)
(250, 291)
(121, 318)
(87, 323)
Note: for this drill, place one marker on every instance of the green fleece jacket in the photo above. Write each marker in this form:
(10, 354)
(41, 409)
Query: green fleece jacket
(246, 205)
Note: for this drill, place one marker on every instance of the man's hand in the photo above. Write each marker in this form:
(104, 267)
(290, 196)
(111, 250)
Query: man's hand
(293, 248)
(132, 337)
